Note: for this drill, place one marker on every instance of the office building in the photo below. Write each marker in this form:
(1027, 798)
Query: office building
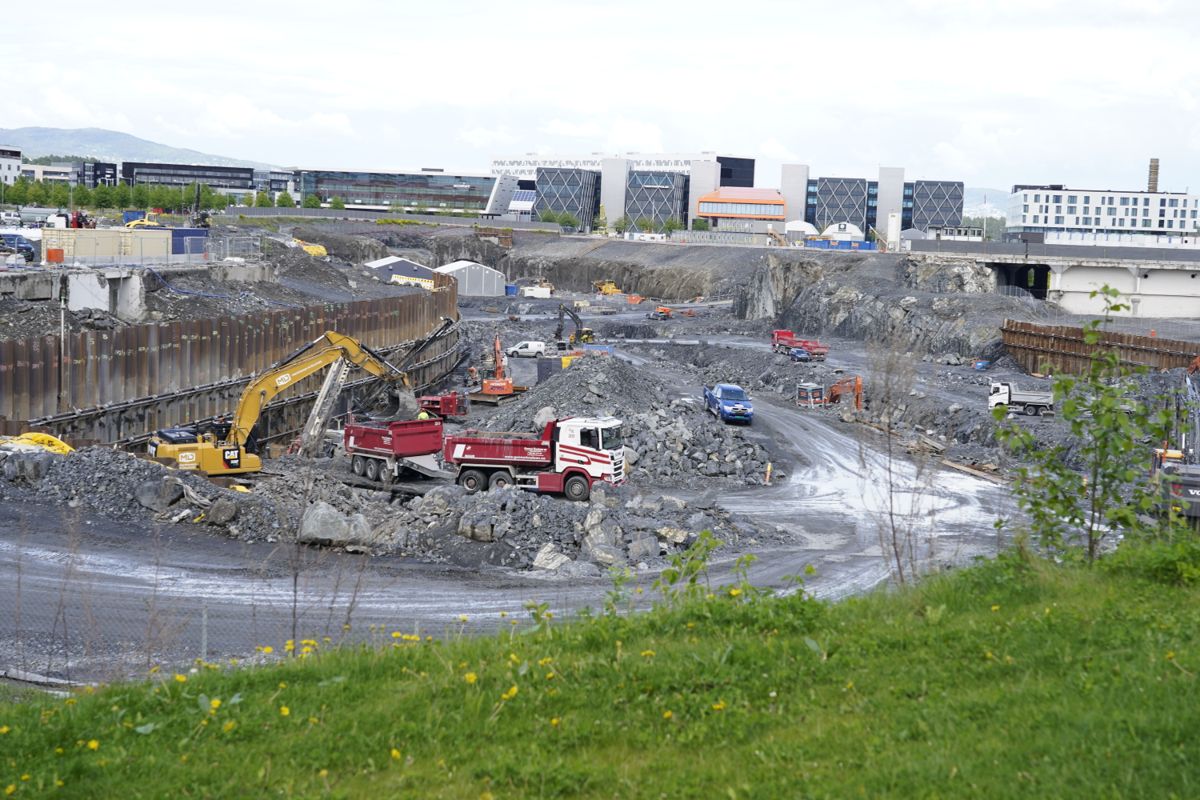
(423, 191)
(274, 181)
(10, 164)
(866, 203)
(655, 197)
(216, 177)
(50, 173)
(568, 191)
(743, 210)
(1056, 213)
(96, 173)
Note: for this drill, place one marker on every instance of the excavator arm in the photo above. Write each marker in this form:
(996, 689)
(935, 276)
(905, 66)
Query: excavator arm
(299, 365)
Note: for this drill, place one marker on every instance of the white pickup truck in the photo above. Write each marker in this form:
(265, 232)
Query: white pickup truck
(1033, 403)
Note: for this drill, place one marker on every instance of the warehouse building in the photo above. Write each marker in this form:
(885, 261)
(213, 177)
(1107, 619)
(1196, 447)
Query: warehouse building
(475, 279)
(393, 269)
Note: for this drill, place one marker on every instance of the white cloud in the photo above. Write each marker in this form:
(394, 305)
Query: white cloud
(774, 149)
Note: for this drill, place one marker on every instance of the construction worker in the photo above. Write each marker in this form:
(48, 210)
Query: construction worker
(472, 376)
(424, 415)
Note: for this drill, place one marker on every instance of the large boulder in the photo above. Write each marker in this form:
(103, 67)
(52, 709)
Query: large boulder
(222, 512)
(476, 524)
(549, 557)
(323, 524)
(158, 494)
(544, 415)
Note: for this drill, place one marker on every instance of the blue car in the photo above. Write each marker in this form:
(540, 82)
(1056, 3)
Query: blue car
(799, 354)
(20, 244)
(729, 403)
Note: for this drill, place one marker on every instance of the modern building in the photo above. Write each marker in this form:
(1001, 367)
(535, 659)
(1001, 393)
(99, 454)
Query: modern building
(274, 181)
(96, 173)
(216, 177)
(1037, 211)
(475, 279)
(522, 203)
(50, 173)
(10, 164)
(656, 197)
(423, 191)
(740, 209)
(866, 204)
(653, 195)
(567, 190)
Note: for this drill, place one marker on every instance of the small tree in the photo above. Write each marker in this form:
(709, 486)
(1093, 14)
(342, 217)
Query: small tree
(622, 224)
(284, 200)
(547, 215)
(700, 224)
(102, 197)
(337, 203)
(60, 195)
(37, 195)
(645, 225)
(82, 196)
(671, 225)
(311, 201)
(568, 220)
(1113, 495)
(140, 196)
(263, 200)
(18, 193)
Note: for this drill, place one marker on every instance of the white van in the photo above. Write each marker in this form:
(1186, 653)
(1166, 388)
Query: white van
(10, 219)
(527, 349)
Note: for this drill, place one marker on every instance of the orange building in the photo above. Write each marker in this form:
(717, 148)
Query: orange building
(741, 208)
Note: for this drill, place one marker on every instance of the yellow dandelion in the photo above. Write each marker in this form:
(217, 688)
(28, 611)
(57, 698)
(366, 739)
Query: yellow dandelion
(396, 634)
(154, 670)
(11, 788)
(215, 703)
(988, 655)
(59, 782)
(668, 714)
(4, 729)
(313, 721)
(395, 754)
(511, 693)
(70, 701)
(180, 678)
(306, 650)
(323, 773)
(1170, 655)
(719, 705)
(554, 722)
(59, 750)
(470, 678)
(326, 639)
(647, 654)
(229, 726)
(283, 684)
(267, 650)
(995, 608)
(25, 777)
(734, 592)
(462, 617)
(284, 711)
(544, 661)
(93, 744)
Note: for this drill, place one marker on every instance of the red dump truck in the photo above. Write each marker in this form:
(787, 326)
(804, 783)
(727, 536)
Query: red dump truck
(783, 340)
(571, 455)
(380, 451)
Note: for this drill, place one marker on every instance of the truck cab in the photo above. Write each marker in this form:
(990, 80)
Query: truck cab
(729, 402)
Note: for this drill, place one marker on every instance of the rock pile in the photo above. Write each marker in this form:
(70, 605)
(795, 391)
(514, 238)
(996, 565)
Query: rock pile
(667, 438)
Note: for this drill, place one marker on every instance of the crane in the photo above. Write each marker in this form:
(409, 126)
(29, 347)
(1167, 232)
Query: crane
(229, 448)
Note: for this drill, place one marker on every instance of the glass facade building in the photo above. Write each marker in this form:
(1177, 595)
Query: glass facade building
(657, 197)
(97, 173)
(738, 172)
(856, 200)
(416, 191)
(933, 204)
(575, 191)
(139, 172)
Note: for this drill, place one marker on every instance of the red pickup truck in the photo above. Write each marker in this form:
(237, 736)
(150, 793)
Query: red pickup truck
(784, 340)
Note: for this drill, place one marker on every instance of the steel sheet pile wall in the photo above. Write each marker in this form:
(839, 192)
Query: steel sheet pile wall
(1058, 348)
(118, 383)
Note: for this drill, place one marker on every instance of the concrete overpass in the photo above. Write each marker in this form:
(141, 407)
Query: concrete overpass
(1155, 282)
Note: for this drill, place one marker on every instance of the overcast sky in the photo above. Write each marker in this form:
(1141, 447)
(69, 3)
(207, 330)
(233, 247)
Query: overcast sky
(991, 92)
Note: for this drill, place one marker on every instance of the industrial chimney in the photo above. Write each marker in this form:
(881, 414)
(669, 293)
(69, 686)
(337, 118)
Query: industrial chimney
(1152, 183)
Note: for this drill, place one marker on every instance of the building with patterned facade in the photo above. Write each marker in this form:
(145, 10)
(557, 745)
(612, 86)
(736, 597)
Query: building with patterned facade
(570, 191)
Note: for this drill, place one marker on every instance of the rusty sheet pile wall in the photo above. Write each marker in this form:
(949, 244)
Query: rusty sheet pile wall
(166, 374)
(1059, 348)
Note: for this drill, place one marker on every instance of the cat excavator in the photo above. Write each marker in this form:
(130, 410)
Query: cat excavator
(581, 335)
(229, 447)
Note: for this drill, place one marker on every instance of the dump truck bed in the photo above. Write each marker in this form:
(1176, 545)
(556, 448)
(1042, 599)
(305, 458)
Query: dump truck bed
(501, 449)
(402, 439)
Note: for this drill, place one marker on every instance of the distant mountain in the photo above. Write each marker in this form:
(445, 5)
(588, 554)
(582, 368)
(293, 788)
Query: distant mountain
(982, 202)
(108, 145)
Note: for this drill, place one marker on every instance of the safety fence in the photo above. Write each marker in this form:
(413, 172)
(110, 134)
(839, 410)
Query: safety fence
(1061, 348)
(169, 373)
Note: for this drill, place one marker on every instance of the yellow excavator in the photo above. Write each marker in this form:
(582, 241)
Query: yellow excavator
(228, 448)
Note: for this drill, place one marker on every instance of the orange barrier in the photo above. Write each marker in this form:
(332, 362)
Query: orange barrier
(54, 255)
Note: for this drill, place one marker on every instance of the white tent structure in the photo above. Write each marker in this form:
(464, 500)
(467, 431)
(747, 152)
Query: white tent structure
(475, 279)
(844, 232)
(798, 228)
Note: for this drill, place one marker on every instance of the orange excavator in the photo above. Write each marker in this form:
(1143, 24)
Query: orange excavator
(851, 386)
(500, 384)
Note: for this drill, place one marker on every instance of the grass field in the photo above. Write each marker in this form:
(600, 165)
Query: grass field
(1012, 679)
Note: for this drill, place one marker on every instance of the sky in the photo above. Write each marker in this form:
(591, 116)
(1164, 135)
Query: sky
(990, 92)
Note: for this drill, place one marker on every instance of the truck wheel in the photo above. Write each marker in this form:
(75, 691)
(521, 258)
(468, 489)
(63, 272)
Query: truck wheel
(1033, 411)
(500, 480)
(577, 488)
(357, 466)
(372, 469)
(472, 480)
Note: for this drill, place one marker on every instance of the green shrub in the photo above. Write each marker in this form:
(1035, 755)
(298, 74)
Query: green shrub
(1174, 563)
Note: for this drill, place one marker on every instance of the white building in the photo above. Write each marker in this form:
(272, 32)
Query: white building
(475, 279)
(50, 173)
(10, 164)
(526, 167)
(1046, 211)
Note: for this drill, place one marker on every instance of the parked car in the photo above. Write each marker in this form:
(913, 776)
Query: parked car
(10, 219)
(20, 244)
(799, 354)
(527, 349)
